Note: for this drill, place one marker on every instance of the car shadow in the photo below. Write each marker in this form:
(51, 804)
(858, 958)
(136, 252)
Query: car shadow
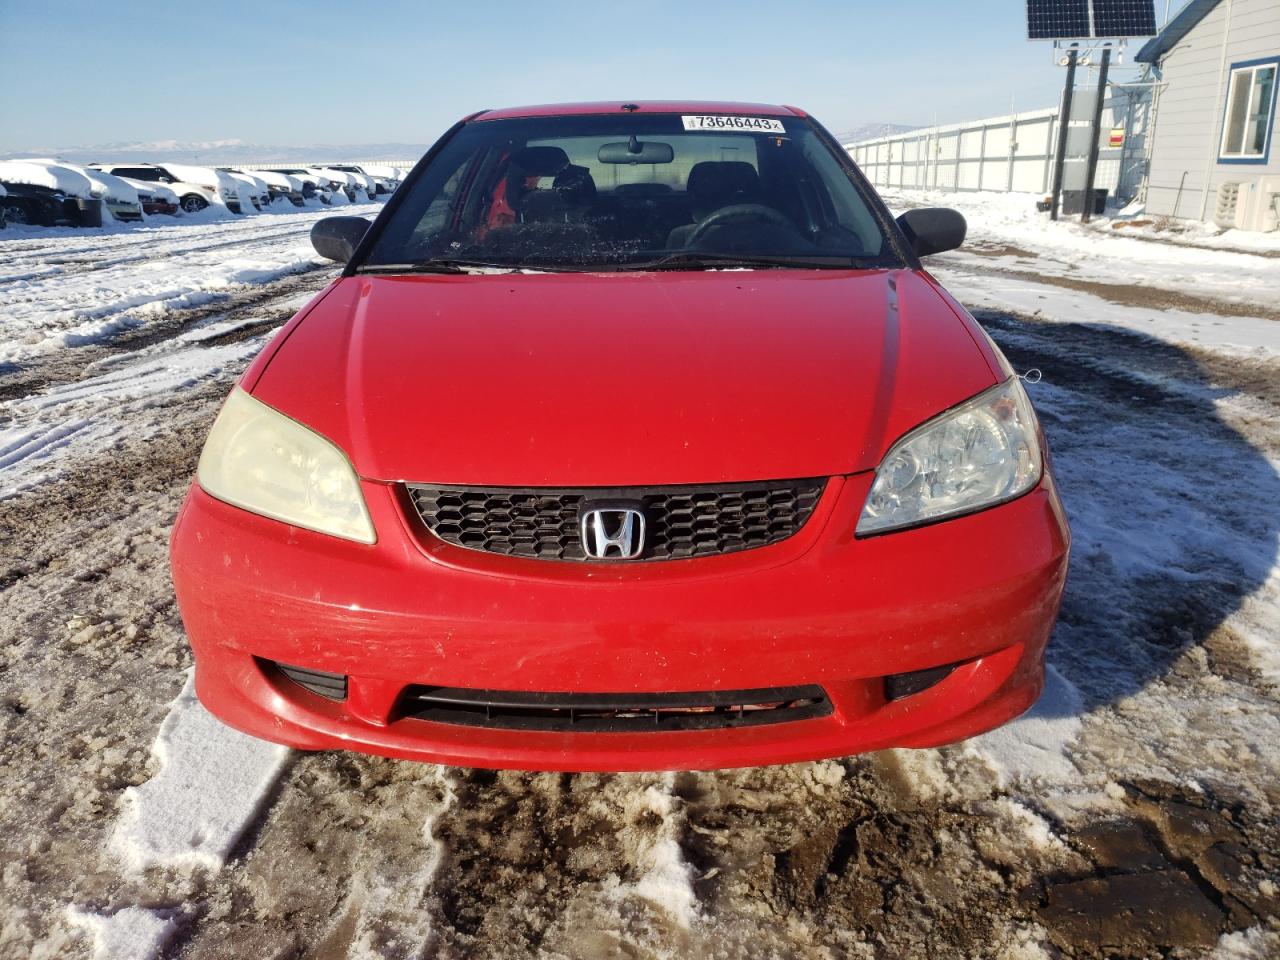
(1175, 513)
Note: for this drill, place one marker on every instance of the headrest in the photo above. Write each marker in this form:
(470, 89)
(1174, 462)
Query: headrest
(539, 161)
(722, 178)
(575, 185)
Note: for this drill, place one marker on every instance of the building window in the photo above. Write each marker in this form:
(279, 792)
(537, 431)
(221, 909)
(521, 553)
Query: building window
(1251, 103)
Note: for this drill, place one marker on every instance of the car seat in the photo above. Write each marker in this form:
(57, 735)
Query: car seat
(714, 184)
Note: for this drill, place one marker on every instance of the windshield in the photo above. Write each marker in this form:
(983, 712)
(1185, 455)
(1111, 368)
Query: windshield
(632, 192)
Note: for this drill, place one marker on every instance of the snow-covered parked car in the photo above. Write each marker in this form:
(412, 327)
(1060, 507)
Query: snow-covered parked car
(364, 180)
(384, 175)
(337, 181)
(281, 186)
(155, 198)
(314, 186)
(109, 197)
(193, 194)
(250, 192)
(45, 194)
(119, 197)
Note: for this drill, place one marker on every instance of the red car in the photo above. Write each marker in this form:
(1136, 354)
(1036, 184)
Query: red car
(632, 436)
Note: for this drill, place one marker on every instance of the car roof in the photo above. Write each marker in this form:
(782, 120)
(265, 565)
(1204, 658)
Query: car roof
(728, 107)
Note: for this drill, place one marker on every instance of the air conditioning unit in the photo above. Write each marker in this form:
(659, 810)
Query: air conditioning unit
(1256, 209)
(1224, 213)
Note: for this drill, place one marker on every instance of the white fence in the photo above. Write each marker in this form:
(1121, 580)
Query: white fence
(405, 165)
(1013, 153)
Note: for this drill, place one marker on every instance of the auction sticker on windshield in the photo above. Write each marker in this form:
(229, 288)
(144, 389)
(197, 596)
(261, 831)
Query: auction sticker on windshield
(753, 124)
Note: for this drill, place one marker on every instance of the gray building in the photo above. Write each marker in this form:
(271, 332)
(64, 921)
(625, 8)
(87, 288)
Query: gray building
(1213, 151)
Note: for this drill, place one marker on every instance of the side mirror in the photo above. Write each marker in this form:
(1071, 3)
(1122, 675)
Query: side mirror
(931, 229)
(336, 238)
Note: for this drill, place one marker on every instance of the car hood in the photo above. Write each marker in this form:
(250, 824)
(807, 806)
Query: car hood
(623, 379)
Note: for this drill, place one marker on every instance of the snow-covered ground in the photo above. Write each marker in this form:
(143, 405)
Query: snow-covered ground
(1163, 283)
(95, 329)
(1131, 813)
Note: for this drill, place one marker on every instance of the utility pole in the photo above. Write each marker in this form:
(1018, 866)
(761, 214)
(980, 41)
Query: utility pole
(1096, 130)
(1064, 121)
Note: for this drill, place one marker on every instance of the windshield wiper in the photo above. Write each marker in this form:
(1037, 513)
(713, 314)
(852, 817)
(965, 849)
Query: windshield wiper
(451, 265)
(698, 260)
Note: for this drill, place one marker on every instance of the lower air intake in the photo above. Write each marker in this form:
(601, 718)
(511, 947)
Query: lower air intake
(331, 686)
(899, 685)
(613, 712)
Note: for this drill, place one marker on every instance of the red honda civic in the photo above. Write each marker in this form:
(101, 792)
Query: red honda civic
(632, 436)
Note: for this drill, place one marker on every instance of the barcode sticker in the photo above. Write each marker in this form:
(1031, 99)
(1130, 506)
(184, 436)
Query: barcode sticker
(749, 124)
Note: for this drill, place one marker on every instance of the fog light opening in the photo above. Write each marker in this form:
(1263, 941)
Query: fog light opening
(331, 686)
(900, 685)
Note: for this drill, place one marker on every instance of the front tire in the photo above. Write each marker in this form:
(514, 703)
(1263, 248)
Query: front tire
(193, 203)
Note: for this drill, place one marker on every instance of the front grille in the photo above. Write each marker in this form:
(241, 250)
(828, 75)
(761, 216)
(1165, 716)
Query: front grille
(681, 521)
(612, 712)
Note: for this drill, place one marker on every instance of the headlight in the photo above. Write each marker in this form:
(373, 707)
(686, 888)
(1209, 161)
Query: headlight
(978, 454)
(258, 459)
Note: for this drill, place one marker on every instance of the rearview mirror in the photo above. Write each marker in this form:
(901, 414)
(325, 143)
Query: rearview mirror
(636, 151)
(932, 229)
(336, 238)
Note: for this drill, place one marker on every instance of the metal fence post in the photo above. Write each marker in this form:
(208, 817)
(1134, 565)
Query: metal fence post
(1094, 146)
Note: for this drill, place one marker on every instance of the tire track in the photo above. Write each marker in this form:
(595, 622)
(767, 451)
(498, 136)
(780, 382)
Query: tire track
(86, 265)
(274, 298)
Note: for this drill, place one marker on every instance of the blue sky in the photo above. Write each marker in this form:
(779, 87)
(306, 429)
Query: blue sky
(74, 72)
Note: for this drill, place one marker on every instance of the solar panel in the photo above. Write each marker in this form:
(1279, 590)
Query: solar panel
(1124, 18)
(1057, 19)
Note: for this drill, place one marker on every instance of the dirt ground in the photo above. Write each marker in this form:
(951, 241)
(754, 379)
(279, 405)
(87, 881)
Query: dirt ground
(1160, 840)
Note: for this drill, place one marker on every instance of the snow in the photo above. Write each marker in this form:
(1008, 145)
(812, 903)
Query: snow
(158, 191)
(1098, 252)
(1036, 746)
(667, 878)
(133, 933)
(1166, 502)
(281, 180)
(203, 176)
(51, 175)
(390, 912)
(1243, 335)
(245, 190)
(335, 176)
(210, 783)
(101, 184)
(1256, 943)
(382, 170)
(173, 266)
(83, 417)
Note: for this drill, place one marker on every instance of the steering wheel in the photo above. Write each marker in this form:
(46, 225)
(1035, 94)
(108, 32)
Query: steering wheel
(737, 213)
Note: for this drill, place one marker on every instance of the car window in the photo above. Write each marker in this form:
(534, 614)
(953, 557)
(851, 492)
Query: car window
(602, 192)
(694, 149)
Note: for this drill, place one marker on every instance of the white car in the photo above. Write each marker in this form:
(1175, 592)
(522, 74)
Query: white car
(338, 180)
(193, 194)
(250, 192)
(313, 186)
(119, 197)
(363, 179)
(384, 175)
(155, 197)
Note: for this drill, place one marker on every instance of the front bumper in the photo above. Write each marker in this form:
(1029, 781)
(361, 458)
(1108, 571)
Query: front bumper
(819, 608)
